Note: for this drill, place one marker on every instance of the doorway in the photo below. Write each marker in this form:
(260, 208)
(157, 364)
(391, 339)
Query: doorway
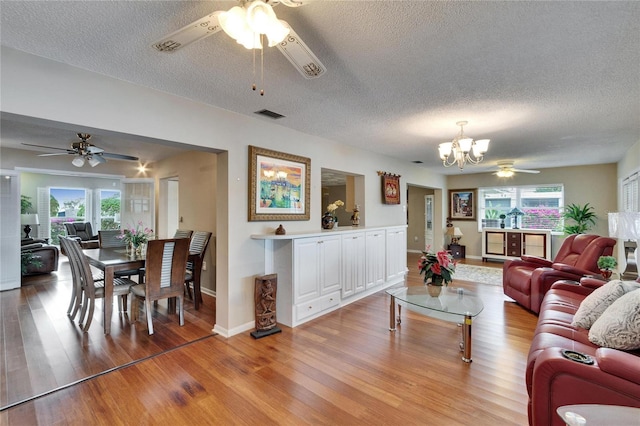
(169, 211)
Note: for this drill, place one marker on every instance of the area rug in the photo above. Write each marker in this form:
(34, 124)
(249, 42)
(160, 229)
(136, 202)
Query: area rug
(479, 274)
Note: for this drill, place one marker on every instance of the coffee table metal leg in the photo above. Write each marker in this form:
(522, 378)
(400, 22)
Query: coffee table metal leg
(392, 314)
(466, 339)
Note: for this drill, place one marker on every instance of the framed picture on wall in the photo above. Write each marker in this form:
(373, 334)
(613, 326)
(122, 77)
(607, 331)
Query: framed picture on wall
(279, 185)
(462, 204)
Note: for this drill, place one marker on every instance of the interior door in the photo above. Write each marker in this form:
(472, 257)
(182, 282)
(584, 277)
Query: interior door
(428, 221)
(138, 203)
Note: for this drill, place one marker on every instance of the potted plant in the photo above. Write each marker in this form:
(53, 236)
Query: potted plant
(438, 269)
(502, 218)
(583, 216)
(606, 265)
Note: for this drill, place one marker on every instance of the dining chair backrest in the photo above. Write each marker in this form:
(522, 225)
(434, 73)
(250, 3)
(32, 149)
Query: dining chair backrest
(67, 244)
(111, 239)
(80, 262)
(198, 245)
(165, 264)
(183, 233)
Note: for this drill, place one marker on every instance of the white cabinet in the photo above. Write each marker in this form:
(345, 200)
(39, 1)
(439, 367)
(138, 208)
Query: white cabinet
(322, 271)
(375, 258)
(353, 264)
(513, 243)
(396, 253)
(316, 267)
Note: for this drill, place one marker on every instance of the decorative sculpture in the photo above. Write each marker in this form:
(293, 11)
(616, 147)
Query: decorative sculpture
(265, 306)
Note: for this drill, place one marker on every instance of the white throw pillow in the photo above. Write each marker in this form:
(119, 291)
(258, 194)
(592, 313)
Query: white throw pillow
(619, 326)
(597, 302)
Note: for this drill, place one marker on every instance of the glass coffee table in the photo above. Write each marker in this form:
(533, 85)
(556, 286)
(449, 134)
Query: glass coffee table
(454, 304)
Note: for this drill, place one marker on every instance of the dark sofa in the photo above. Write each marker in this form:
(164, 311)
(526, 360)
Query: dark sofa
(47, 255)
(554, 380)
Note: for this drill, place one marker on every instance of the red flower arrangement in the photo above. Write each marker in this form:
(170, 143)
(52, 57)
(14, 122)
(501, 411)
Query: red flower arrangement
(438, 268)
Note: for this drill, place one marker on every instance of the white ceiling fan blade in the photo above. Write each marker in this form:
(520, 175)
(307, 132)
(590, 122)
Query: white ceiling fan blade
(525, 171)
(302, 58)
(195, 31)
(92, 149)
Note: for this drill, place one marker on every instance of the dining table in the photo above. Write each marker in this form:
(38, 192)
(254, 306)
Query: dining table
(113, 259)
(110, 260)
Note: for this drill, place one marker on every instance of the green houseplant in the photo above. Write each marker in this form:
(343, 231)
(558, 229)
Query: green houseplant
(606, 264)
(583, 216)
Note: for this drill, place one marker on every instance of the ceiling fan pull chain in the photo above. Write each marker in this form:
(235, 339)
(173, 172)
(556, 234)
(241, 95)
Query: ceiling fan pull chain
(261, 67)
(253, 85)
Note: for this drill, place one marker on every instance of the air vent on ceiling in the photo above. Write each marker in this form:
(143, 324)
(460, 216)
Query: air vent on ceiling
(269, 114)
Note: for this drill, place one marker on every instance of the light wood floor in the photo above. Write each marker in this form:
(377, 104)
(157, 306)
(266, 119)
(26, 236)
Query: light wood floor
(345, 368)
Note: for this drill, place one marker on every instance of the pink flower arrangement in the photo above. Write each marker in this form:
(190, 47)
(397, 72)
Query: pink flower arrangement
(438, 268)
(136, 236)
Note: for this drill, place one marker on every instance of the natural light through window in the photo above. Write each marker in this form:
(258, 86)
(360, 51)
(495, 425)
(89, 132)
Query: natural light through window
(542, 207)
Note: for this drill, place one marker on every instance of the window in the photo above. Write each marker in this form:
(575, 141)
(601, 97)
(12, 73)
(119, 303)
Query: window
(109, 209)
(541, 206)
(630, 194)
(65, 205)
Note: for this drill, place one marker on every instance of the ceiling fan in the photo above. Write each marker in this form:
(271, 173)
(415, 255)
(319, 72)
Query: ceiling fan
(506, 169)
(83, 150)
(248, 24)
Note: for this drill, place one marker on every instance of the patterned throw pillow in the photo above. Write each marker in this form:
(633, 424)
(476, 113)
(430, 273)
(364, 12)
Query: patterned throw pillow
(619, 326)
(595, 304)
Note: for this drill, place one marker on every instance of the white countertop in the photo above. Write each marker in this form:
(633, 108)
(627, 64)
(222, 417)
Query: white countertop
(319, 233)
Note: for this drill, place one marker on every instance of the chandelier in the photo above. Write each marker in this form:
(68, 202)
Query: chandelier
(462, 149)
(246, 24)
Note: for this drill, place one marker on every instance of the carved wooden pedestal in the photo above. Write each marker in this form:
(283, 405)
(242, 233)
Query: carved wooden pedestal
(265, 306)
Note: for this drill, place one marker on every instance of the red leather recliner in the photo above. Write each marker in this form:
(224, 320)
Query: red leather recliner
(527, 280)
(554, 381)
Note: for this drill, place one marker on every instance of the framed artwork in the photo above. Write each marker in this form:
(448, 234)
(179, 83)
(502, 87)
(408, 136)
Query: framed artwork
(390, 188)
(279, 185)
(462, 204)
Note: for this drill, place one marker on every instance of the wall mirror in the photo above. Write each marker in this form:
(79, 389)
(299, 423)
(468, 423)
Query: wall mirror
(344, 186)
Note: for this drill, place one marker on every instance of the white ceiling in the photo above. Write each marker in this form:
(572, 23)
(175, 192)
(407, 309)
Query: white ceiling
(550, 83)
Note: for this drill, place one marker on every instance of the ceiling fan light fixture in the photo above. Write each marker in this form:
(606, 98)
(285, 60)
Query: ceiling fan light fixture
(78, 161)
(278, 32)
(93, 161)
(505, 173)
(260, 17)
(234, 22)
(462, 149)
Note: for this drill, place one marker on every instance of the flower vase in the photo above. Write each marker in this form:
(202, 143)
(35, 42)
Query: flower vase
(434, 286)
(327, 221)
(606, 273)
(434, 290)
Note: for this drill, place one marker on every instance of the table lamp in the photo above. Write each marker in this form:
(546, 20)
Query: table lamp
(626, 226)
(27, 220)
(454, 233)
(515, 212)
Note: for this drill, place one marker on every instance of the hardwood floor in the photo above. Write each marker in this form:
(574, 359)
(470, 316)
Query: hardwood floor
(344, 368)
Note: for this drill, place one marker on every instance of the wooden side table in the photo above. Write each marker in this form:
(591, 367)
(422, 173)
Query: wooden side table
(457, 251)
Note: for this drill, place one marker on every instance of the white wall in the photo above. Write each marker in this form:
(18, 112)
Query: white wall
(75, 96)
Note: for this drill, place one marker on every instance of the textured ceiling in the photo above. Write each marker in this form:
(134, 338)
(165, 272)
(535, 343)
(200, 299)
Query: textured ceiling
(550, 83)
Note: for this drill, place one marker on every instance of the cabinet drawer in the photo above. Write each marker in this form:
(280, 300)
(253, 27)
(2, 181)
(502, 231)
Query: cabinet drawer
(330, 300)
(305, 310)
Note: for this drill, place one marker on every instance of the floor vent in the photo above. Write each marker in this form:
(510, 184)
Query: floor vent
(269, 114)
(417, 162)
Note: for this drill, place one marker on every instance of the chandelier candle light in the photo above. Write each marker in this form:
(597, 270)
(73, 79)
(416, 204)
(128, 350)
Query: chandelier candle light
(462, 149)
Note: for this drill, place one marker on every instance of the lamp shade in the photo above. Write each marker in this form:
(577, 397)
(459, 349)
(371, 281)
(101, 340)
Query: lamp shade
(624, 225)
(454, 232)
(515, 212)
(29, 219)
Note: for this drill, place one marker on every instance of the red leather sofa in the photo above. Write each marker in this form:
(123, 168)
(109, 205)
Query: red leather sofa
(553, 380)
(526, 280)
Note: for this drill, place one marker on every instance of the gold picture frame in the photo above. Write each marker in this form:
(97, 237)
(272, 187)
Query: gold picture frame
(279, 185)
(462, 204)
